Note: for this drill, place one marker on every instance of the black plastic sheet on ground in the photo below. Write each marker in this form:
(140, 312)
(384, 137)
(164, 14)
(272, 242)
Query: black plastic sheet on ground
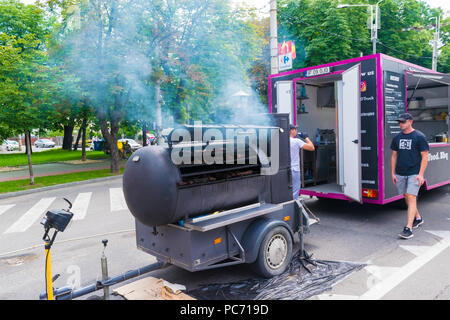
(301, 281)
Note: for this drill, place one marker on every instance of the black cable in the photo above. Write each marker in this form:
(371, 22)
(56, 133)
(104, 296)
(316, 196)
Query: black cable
(361, 40)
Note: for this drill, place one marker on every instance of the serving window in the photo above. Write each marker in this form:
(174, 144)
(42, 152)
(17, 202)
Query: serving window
(428, 102)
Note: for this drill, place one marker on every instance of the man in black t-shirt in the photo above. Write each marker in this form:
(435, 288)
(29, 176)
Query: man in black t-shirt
(408, 163)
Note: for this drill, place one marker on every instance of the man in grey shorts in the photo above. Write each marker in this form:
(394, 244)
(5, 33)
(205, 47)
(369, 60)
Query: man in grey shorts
(409, 161)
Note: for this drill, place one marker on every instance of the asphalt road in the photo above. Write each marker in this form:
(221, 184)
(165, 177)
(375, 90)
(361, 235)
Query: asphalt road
(396, 269)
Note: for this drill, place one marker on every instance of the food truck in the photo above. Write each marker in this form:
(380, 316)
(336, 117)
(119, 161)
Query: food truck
(349, 110)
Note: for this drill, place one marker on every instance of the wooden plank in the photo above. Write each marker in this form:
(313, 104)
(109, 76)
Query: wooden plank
(151, 288)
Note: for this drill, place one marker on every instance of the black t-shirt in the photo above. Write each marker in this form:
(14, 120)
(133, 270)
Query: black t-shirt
(409, 146)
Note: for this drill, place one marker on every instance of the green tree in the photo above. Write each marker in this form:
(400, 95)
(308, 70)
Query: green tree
(26, 87)
(324, 33)
(205, 50)
(138, 61)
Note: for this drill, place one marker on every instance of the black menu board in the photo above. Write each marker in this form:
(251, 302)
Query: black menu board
(394, 101)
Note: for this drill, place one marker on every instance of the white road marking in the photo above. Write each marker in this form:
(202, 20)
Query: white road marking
(381, 272)
(416, 250)
(65, 241)
(117, 199)
(80, 206)
(5, 208)
(30, 216)
(444, 234)
(380, 289)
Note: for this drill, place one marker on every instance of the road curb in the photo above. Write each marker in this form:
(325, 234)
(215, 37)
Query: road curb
(58, 186)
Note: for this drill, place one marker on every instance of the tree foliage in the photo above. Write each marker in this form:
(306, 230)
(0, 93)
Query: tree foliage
(26, 87)
(324, 33)
(129, 58)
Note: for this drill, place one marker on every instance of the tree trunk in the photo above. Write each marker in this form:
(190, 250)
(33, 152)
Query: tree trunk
(28, 147)
(178, 101)
(67, 141)
(83, 140)
(144, 133)
(111, 140)
(158, 111)
(75, 147)
(30, 165)
(115, 154)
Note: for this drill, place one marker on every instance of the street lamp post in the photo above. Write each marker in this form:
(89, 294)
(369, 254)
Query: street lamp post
(373, 21)
(435, 44)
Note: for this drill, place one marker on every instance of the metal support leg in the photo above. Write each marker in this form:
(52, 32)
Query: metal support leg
(104, 262)
(304, 218)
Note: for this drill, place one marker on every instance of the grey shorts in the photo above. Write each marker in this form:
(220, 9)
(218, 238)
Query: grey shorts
(408, 185)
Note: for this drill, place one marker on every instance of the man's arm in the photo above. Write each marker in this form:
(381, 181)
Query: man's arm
(393, 165)
(423, 167)
(309, 146)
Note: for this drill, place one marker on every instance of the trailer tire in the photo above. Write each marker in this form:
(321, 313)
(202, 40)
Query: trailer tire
(275, 253)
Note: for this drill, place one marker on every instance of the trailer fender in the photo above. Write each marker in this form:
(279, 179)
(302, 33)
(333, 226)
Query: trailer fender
(255, 233)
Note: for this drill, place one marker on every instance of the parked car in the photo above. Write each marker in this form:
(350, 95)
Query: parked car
(134, 145)
(44, 143)
(151, 138)
(11, 145)
(165, 133)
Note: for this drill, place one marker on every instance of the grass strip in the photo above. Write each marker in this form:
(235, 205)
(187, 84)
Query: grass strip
(39, 182)
(21, 159)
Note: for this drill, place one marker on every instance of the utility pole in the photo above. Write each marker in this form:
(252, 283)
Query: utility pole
(435, 44)
(273, 37)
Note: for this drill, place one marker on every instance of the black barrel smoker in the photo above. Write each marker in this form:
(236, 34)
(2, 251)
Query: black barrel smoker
(200, 214)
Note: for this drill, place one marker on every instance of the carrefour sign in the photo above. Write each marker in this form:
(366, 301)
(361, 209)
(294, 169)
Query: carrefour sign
(285, 62)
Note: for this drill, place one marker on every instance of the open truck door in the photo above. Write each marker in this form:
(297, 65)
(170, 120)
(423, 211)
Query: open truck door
(350, 122)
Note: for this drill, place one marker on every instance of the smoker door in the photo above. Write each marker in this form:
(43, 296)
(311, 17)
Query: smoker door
(351, 133)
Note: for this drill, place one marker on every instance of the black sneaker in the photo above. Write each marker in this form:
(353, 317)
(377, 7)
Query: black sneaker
(417, 223)
(406, 233)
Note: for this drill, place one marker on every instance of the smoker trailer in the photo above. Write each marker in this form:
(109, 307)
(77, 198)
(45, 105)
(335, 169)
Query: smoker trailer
(349, 109)
(201, 216)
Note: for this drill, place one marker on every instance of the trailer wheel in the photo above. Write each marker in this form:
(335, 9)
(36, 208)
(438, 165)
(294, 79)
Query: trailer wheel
(275, 253)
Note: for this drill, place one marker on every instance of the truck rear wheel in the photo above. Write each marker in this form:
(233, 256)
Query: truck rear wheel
(275, 253)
